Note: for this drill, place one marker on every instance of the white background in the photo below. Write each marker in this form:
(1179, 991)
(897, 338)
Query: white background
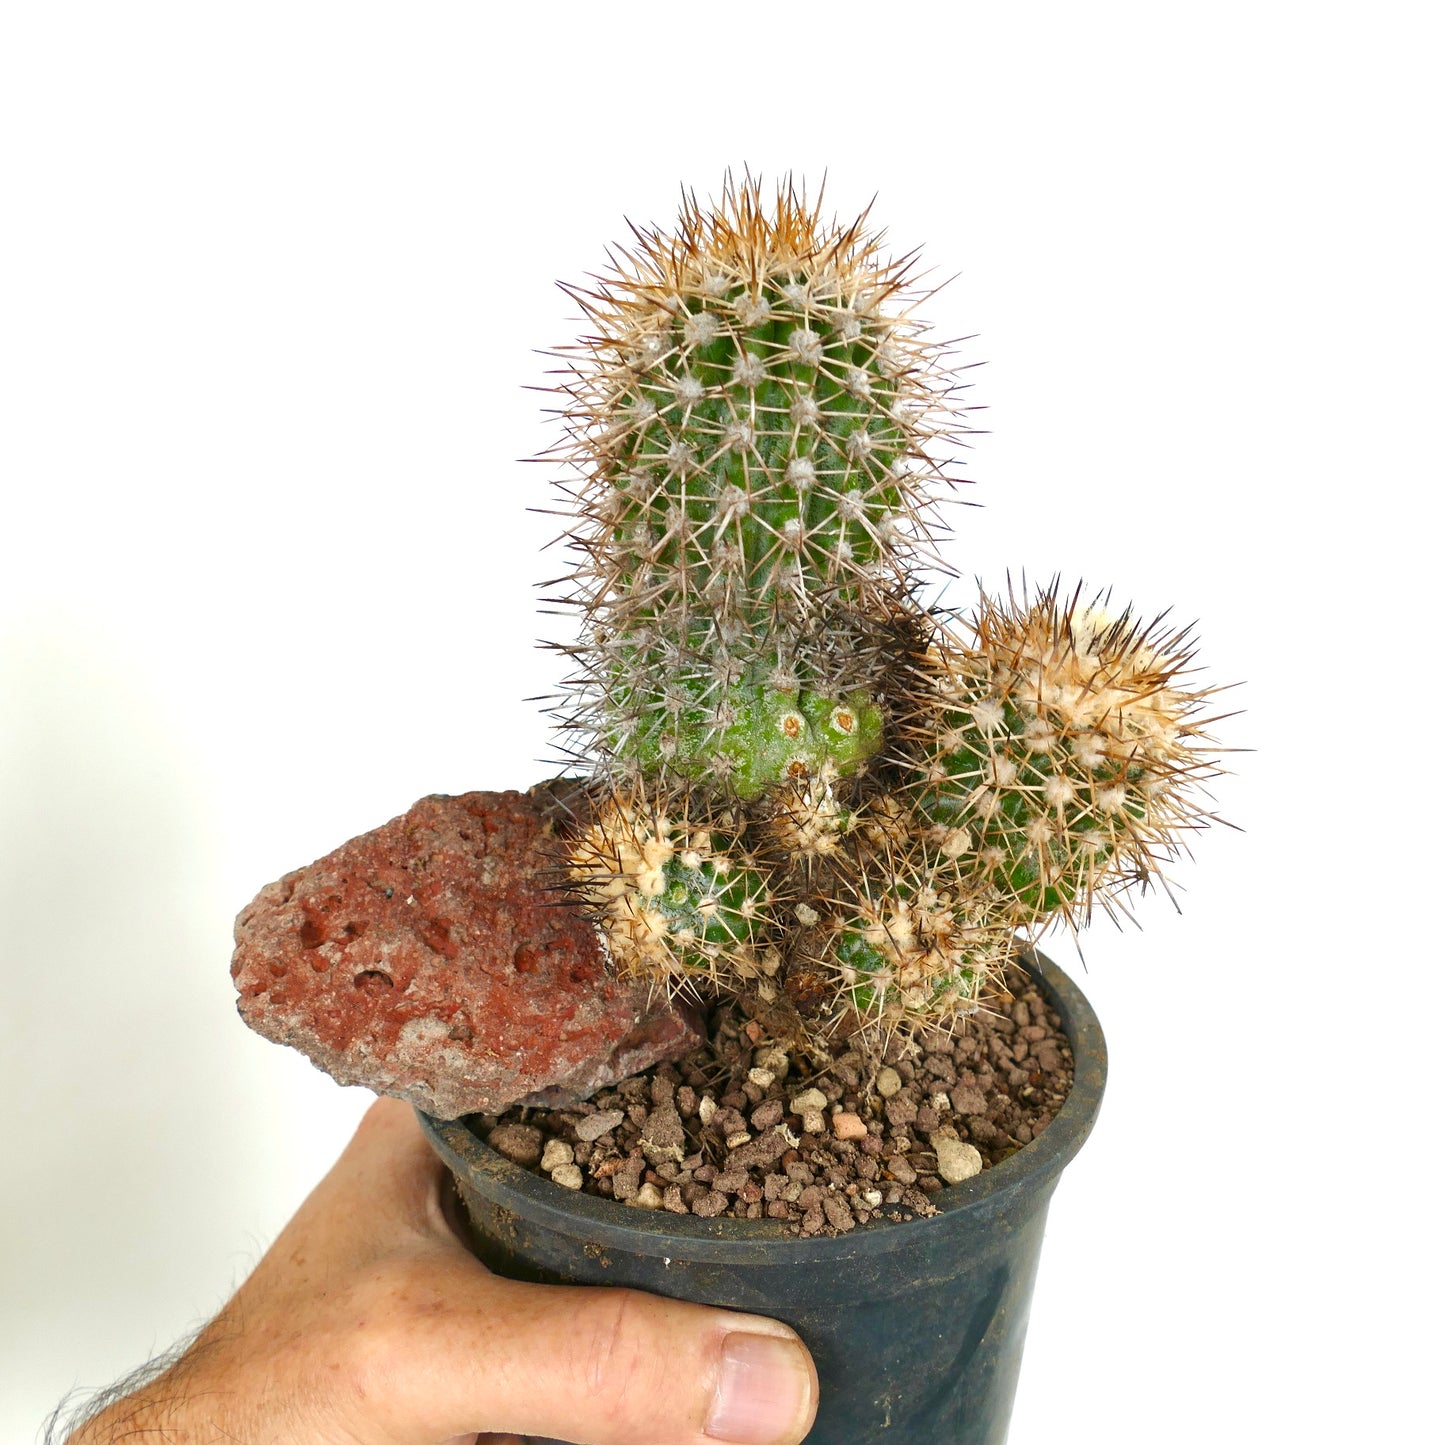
(271, 280)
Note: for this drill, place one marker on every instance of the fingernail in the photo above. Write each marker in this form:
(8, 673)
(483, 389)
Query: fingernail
(761, 1392)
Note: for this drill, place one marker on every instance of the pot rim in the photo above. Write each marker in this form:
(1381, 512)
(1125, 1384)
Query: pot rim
(617, 1226)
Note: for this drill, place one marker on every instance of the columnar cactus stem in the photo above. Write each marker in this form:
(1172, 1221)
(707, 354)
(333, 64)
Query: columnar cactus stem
(753, 422)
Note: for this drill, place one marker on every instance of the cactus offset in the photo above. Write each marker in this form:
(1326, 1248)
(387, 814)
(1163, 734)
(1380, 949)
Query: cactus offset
(679, 900)
(904, 941)
(1064, 752)
(806, 787)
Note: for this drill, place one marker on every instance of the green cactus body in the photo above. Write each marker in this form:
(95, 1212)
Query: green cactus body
(751, 425)
(707, 904)
(778, 737)
(1035, 829)
(756, 457)
(871, 987)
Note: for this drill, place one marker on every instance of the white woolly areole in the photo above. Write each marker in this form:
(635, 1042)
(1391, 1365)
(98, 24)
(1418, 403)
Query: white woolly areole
(752, 310)
(804, 412)
(700, 328)
(733, 502)
(1058, 790)
(1002, 772)
(1087, 623)
(1091, 750)
(688, 389)
(748, 370)
(891, 361)
(801, 473)
(859, 383)
(1039, 736)
(988, 713)
(727, 552)
(806, 345)
(739, 436)
(613, 508)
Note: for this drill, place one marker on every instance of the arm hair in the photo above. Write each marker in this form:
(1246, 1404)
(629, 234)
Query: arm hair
(83, 1404)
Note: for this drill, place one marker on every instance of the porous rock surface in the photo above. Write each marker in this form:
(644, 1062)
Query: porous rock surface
(432, 959)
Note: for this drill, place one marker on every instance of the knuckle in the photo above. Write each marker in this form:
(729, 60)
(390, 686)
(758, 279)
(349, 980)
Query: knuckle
(622, 1367)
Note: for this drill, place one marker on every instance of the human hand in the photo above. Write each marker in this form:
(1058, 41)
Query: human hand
(369, 1323)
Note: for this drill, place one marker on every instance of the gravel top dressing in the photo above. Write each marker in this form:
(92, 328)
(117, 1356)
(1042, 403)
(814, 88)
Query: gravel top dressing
(739, 1127)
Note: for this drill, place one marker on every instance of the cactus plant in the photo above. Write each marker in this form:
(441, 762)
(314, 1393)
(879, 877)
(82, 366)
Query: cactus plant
(808, 786)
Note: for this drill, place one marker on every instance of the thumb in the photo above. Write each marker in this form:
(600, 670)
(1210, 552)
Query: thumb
(604, 1366)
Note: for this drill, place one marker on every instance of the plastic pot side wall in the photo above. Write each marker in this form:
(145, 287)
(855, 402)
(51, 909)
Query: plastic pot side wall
(917, 1329)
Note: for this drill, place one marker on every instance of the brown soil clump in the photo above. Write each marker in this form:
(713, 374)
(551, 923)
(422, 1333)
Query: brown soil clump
(742, 1127)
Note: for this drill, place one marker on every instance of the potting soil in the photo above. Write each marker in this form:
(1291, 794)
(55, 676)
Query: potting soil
(744, 1127)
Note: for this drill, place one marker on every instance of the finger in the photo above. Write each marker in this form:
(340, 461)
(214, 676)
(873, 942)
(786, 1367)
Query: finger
(464, 1350)
(594, 1366)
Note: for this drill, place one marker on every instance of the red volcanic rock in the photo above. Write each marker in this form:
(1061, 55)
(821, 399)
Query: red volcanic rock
(432, 959)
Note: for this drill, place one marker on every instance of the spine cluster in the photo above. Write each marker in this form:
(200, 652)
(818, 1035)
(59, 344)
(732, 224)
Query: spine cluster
(1062, 755)
(806, 785)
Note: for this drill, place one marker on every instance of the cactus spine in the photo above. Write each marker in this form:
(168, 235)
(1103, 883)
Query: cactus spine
(806, 786)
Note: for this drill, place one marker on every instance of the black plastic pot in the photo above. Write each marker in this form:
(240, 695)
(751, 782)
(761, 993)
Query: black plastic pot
(917, 1329)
